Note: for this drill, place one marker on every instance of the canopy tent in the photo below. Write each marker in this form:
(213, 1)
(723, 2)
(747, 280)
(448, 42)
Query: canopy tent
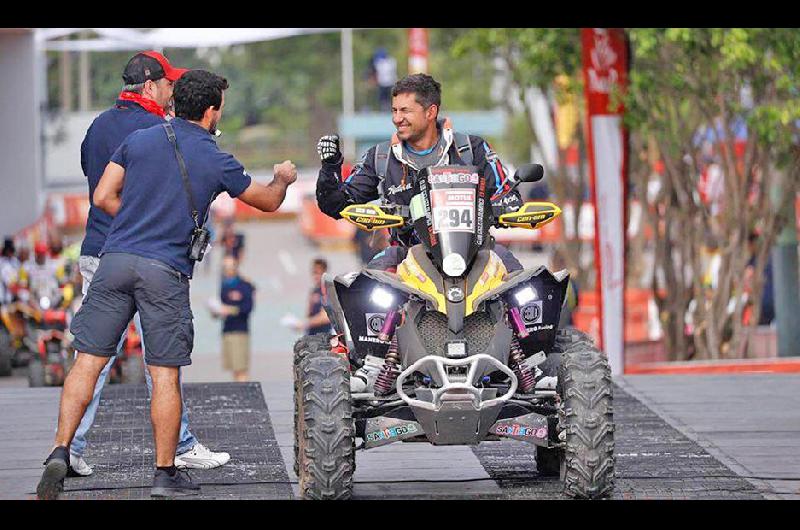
(119, 39)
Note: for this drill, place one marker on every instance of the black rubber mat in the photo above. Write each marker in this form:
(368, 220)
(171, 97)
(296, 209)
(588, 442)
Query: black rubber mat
(231, 417)
(653, 461)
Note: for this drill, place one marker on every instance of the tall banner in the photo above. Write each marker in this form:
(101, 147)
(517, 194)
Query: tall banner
(418, 51)
(605, 67)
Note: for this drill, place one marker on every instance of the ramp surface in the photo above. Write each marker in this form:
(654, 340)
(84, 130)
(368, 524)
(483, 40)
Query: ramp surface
(229, 416)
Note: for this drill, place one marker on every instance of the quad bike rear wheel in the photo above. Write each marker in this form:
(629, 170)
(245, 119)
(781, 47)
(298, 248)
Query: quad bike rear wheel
(6, 351)
(36, 373)
(549, 461)
(325, 428)
(584, 384)
(133, 370)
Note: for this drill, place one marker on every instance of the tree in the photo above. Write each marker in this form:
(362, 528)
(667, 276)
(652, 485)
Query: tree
(724, 100)
(548, 61)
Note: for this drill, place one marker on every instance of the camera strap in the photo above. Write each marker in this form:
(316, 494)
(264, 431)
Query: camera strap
(184, 174)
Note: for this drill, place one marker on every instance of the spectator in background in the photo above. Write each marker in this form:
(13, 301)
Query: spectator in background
(23, 253)
(9, 265)
(232, 241)
(236, 295)
(383, 73)
(317, 319)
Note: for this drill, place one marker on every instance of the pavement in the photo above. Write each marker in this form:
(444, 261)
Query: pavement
(688, 437)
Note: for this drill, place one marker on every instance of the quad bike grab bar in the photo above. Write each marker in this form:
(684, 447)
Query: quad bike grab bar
(449, 385)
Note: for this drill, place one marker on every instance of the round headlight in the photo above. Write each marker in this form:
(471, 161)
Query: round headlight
(454, 265)
(525, 295)
(382, 298)
(44, 302)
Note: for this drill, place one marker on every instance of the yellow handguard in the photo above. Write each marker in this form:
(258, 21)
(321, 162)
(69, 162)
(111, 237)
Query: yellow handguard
(531, 215)
(370, 217)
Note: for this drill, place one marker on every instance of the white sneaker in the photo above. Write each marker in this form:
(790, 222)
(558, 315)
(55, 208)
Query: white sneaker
(200, 457)
(79, 465)
(363, 379)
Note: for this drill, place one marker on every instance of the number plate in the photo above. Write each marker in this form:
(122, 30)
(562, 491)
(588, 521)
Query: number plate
(453, 210)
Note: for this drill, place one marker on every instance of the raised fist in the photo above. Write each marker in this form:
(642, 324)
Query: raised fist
(285, 172)
(328, 148)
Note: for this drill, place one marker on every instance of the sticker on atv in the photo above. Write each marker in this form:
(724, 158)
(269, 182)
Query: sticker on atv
(375, 323)
(532, 312)
(453, 210)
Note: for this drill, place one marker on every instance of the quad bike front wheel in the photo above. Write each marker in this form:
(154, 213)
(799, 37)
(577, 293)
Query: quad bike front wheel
(325, 428)
(306, 346)
(584, 384)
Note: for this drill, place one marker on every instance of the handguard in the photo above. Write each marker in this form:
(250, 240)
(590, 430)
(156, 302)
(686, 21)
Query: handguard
(531, 215)
(370, 217)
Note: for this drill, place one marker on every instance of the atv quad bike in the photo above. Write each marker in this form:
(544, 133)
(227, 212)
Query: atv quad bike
(472, 352)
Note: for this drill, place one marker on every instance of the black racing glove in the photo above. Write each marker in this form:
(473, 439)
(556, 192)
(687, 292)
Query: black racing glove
(328, 149)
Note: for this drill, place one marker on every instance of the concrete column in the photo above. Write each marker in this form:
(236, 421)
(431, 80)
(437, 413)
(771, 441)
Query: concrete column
(20, 174)
(84, 79)
(348, 91)
(785, 271)
(65, 80)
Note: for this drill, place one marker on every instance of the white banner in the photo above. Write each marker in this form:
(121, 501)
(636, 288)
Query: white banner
(609, 189)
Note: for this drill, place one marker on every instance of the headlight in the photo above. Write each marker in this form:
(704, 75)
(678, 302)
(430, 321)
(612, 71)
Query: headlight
(44, 302)
(525, 295)
(454, 265)
(382, 298)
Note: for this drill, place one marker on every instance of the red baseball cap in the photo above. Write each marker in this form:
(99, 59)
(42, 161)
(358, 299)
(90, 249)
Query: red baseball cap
(40, 248)
(150, 65)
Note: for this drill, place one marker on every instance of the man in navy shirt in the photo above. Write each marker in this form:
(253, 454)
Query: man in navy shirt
(145, 266)
(236, 295)
(148, 79)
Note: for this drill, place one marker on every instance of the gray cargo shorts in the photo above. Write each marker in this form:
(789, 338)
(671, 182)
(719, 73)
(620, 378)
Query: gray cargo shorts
(124, 284)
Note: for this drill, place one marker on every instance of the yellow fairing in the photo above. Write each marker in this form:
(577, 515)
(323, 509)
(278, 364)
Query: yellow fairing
(531, 215)
(413, 275)
(492, 276)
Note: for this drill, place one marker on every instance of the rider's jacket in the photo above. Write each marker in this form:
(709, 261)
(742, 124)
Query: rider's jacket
(365, 184)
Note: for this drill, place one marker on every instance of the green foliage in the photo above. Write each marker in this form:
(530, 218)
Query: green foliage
(709, 69)
(537, 55)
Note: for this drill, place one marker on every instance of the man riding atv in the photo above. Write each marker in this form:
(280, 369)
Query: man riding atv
(388, 170)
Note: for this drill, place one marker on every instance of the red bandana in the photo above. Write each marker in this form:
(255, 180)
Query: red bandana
(147, 104)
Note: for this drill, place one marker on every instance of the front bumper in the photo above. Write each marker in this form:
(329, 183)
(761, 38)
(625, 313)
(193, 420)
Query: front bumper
(457, 412)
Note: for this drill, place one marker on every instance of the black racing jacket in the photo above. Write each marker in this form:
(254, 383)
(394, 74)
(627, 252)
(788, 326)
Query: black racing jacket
(364, 184)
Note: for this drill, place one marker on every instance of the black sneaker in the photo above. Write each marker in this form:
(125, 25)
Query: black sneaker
(52, 481)
(177, 485)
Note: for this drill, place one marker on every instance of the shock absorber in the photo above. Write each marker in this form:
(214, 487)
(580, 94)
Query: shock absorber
(385, 381)
(526, 376)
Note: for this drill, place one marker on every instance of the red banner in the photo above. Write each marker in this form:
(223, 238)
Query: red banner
(605, 65)
(418, 50)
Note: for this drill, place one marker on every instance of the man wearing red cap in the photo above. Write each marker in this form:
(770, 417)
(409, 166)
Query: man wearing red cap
(147, 93)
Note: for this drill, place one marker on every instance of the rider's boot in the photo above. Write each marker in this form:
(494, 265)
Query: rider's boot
(363, 379)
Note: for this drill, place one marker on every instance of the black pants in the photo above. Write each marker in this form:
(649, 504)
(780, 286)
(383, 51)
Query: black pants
(392, 256)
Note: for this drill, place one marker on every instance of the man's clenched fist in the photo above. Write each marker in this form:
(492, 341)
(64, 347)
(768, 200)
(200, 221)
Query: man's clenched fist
(285, 172)
(328, 148)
